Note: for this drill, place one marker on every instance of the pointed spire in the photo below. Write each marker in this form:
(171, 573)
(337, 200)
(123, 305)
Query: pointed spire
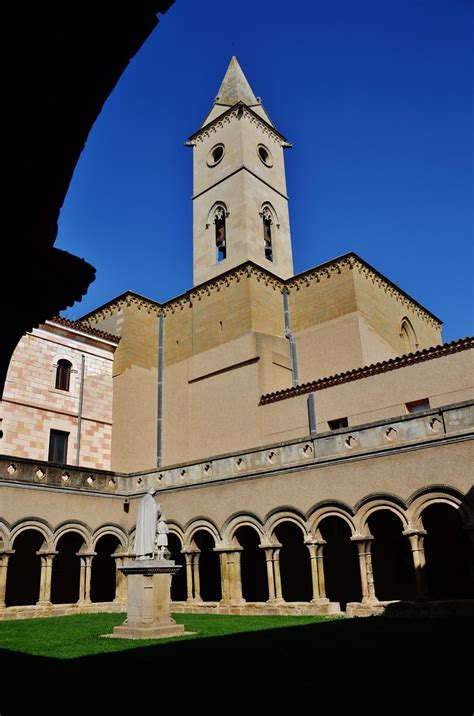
(235, 87)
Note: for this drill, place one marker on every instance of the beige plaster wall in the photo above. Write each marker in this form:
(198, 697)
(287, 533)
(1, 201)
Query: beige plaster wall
(384, 310)
(56, 507)
(135, 414)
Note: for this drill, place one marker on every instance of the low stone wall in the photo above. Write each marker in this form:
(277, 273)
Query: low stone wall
(59, 610)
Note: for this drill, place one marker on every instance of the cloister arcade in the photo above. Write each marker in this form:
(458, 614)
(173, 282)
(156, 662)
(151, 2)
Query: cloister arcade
(383, 550)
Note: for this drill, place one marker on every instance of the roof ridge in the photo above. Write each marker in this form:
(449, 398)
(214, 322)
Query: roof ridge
(79, 326)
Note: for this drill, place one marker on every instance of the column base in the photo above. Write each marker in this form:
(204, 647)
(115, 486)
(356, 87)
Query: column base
(371, 601)
(275, 601)
(320, 601)
(151, 632)
(43, 603)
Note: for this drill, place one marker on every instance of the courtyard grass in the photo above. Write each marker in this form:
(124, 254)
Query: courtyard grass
(361, 663)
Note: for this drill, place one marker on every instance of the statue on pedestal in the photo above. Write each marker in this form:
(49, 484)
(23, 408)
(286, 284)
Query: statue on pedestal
(147, 519)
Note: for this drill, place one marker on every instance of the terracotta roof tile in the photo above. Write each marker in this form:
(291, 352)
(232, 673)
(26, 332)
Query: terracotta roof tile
(374, 369)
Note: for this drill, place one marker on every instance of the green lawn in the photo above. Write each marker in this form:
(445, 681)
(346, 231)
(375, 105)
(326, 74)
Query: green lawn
(370, 664)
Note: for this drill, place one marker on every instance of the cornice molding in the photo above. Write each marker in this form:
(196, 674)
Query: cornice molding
(237, 112)
(409, 359)
(249, 269)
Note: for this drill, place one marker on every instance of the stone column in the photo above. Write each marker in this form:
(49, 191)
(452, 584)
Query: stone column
(189, 575)
(314, 547)
(235, 579)
(44, 598)
(85, 578)
(270, 579)
(4, 557)
(320, 567)
(120, 579)
(416, 538)
(277, 575)
(196, 577)
(224, 566)
(365, 566)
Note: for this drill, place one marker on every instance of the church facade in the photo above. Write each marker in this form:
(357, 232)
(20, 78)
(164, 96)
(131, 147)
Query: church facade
(309, 435)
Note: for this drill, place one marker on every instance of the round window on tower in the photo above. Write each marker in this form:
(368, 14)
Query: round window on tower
(215, 155)
(265, 155)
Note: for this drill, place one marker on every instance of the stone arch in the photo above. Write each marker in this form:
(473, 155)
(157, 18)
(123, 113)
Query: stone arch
(177, 530)
(212, 211)
(437, 494)
(202, 539)
(324, 510)
(245, 532)
(408, 335)
(114, 530)
(333, 524)
(373, 503)
(77, 527)
(201, 523)
(24, 565)
(269, 206)
(108, 540)
(34, 524)
(4, 537)
(176, 541)
(74, 370)
(241, 519)
(445, 521)
(287, 527)
(70, 538)
(284, 514)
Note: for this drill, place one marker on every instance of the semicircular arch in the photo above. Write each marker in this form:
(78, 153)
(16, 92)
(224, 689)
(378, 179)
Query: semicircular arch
(114, 530)
(77, 528)
(33, 524)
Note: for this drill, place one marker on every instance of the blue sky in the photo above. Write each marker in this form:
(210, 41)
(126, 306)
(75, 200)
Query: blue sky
(376, 97)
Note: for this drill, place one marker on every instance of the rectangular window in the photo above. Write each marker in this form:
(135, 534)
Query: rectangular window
(58, 446)
(416, 405)
(338, 424)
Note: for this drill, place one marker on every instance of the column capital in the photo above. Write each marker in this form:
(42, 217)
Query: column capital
(47, 552)
(270, 545)
(228, 549)
(362, 538)
(412, 532)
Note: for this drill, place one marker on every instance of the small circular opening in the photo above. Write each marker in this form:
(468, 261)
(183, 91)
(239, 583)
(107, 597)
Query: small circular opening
(215, 155)
(265, 155)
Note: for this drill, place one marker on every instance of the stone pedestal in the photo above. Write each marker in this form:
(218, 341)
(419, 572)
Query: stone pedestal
(149, 601)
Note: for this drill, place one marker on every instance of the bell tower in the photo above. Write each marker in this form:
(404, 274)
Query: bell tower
(240, 205)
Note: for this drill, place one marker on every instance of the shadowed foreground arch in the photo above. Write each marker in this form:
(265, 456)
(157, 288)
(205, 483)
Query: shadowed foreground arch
(24, 569)
(209, 567)
(103, 569)
(252, 565)
(178, 582)
(66, 569)
(295, 567)
(448, 553)
(392, 562)
(341, 562)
